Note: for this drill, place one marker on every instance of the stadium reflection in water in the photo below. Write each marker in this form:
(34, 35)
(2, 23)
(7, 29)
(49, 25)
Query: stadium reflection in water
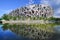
(30, 32)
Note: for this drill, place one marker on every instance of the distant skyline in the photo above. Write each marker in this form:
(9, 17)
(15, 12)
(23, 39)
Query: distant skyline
(8, 5)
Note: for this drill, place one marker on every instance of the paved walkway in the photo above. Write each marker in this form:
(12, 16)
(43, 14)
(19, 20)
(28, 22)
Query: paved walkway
(26, 21)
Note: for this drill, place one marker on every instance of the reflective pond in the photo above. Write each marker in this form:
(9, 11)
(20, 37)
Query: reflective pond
(30, 32)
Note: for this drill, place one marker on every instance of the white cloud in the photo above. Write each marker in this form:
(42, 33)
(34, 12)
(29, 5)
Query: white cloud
(44, 1)
(57, 13)
(57, 16)
(57, 2)
(31, 1)
(6, 11)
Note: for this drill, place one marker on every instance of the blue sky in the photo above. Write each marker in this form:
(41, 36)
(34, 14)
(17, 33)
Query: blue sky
(8, 5)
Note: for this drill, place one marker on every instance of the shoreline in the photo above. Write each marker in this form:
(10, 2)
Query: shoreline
(26, 21)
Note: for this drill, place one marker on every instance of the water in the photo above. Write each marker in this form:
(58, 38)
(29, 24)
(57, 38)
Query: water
(57, 28)
(57, 33)
(10, 33)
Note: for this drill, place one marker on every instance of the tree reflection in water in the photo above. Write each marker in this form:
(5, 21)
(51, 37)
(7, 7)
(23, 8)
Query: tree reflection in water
(32, 31)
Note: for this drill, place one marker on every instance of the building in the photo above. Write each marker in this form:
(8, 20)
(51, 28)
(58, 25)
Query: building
(33, 10)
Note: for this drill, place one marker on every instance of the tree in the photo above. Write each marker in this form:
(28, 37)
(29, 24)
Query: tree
(14, 18)
(5, 17)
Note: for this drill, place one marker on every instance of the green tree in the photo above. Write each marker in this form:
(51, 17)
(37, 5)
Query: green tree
(5, 17)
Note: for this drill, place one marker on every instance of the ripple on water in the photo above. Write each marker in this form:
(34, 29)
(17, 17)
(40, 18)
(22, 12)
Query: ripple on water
(57, 29)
